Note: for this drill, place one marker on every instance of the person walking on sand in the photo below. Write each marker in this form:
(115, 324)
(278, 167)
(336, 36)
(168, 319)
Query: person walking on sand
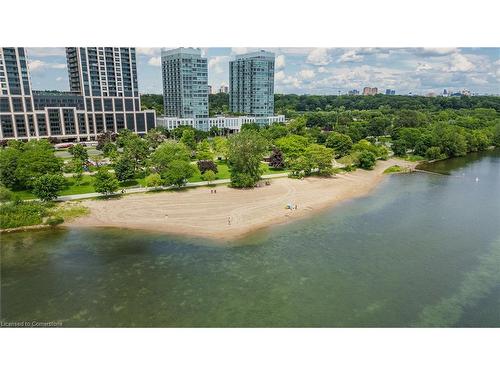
(215, 191)
(229, 220)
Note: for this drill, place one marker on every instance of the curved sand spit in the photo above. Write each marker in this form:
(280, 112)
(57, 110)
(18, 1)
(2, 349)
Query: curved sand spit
(197, 212)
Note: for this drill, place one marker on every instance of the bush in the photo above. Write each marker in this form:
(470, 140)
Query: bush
(124, 169)
(5, 194)
(20, 214)
(433, 153)
(366, 160)
(153, 180)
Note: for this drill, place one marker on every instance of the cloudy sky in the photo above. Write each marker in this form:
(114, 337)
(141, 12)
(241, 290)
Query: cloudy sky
(318, 70)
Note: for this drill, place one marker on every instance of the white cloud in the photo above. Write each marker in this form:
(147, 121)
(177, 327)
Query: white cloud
(44, 52)
(218, 64)
(59, 78)
(459, 63)
(434, 51)
(36, 65)
(280, 62)
(154, 61)
(306, 74)
(319, 56)
(421, 66)
(350, 56)
(280, 76)
(239, 50)
(39, 65)
(322, 69)
(148, 51)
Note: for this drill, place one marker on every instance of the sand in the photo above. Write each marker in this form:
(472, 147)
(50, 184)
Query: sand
(231, 213)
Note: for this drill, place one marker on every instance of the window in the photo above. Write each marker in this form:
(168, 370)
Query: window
(108, 105)
(17, 104)
(21, 126)
(97, 105)
(6, 123)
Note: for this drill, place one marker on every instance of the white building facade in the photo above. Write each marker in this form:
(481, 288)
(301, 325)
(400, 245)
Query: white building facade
(232, 124)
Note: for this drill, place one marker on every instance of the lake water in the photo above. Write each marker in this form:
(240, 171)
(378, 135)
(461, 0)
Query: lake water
(421, 250)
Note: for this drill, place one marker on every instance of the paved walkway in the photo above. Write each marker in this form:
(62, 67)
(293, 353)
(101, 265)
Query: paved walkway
(64, 198)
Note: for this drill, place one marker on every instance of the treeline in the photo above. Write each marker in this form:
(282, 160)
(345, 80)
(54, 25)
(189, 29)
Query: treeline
(292, 105)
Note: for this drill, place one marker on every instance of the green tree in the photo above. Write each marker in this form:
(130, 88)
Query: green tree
(79, 152)
(320, 158)
(168, 152)
(47, 187)
(178, 172)
(188, 138)
(124, 169)
(221, 146)
(246, 151)
(300, 166)
(155, 137)
(36, 159)
(292, 145)
(137, 150)
(399, 147)
(9, 160)
(77, 169)
(366, 160)
(105, 182)
(203, 151)
(250, 126)
(496, 135)
(341, 143)
(208, 176)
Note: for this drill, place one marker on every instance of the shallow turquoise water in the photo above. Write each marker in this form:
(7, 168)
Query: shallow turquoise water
(422, 250)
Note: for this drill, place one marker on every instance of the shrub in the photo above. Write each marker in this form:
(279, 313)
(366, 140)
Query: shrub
(153, 180)
(5, 194)
(104, 182)
(433, 153)
(366, 160)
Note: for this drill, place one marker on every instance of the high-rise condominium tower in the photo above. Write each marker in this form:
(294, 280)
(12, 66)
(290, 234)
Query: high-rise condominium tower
(104, 97)
(251, 84)
(185, 84)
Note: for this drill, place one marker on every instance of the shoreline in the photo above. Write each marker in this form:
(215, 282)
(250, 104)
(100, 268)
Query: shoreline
(231, 214)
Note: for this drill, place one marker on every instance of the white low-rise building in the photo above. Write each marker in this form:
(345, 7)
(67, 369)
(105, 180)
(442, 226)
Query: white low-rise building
(234, 124)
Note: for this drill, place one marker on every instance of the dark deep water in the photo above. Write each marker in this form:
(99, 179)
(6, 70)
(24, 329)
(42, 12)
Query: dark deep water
(422, 250)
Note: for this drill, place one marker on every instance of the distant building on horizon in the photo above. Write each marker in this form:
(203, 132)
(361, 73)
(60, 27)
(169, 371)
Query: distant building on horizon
(353, 92)
(370, 91)
(185, 84)
(210, 92)
(224, 89)
(251, 84)
(390, 92)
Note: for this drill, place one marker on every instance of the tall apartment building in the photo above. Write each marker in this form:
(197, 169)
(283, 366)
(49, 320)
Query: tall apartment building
(104, 97)
(390, 92)
(185, 84)
(251, 84)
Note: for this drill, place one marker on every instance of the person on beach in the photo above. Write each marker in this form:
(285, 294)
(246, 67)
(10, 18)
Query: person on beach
(229, 220)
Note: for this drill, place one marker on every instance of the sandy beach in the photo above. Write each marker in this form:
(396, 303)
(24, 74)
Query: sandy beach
(231, 213)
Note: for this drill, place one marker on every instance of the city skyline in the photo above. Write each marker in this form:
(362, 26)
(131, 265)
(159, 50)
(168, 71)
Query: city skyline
(317, 70)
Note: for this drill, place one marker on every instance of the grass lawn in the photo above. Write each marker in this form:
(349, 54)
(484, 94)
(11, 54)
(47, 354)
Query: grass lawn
(86, 185)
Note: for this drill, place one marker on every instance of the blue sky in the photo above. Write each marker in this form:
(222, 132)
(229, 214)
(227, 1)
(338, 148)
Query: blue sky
(318, 70)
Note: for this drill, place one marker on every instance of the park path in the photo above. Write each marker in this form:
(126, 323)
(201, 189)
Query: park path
(72, 197)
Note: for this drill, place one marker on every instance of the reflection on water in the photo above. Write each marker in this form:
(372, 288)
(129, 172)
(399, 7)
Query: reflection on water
(422, 250)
